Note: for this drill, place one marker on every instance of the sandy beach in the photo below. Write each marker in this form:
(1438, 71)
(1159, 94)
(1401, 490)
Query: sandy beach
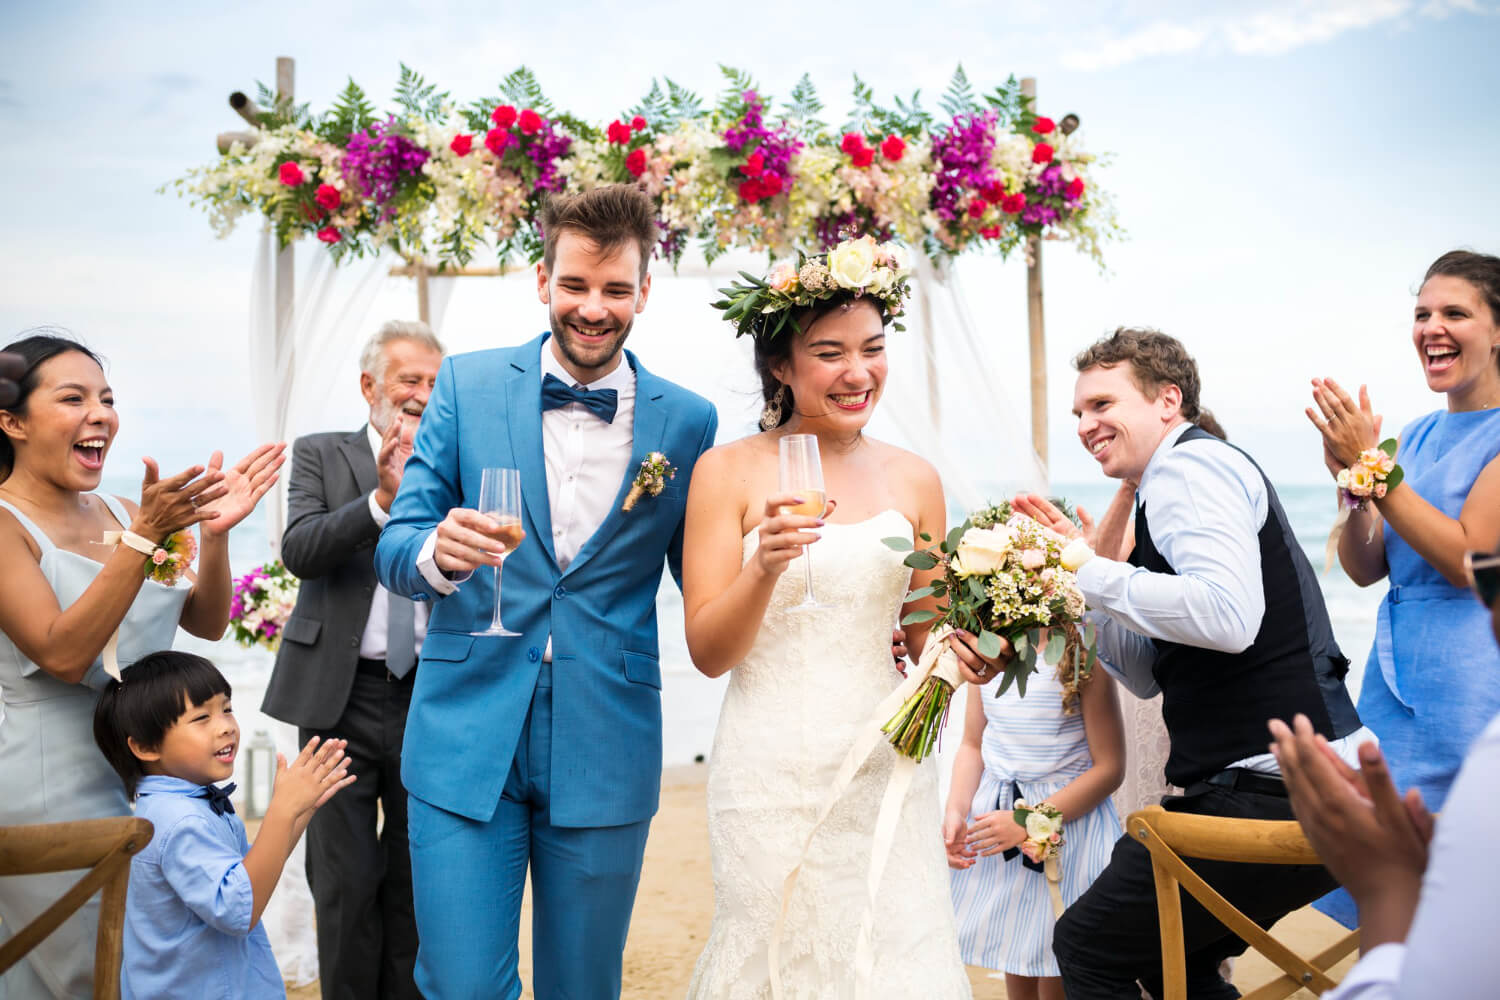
(675, 906)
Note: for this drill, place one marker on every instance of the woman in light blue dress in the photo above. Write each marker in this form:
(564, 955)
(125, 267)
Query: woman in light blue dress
(1027, 748)
(63, 596)
(1432, 680)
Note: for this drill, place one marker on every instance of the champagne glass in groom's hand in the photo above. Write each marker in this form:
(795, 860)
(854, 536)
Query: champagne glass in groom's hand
(500, 501)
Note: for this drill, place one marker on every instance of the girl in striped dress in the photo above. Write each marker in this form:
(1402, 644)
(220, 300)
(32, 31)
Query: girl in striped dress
(1028, 748)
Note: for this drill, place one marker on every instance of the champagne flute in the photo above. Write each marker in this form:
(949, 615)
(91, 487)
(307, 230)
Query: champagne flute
(802, 476)
(500, 501)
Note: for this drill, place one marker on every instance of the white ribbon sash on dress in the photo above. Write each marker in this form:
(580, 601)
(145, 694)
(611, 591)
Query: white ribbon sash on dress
(936, 660)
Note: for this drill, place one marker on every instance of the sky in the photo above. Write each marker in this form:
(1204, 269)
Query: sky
(1285, 172)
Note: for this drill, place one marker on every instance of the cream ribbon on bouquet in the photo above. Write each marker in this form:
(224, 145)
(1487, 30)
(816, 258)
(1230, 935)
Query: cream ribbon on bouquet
(936, 660)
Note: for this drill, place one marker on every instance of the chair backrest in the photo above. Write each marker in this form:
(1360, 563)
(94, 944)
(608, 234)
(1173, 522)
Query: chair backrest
(104, 846)
(1169, 836)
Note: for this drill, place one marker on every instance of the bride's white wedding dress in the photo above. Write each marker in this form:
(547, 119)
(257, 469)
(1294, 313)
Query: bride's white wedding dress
(795, 705)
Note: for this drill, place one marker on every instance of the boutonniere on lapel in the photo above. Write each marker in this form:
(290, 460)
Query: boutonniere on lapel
(651, 480)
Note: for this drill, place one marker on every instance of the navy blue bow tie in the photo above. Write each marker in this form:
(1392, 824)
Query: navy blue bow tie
(602, 403)
(218, 798)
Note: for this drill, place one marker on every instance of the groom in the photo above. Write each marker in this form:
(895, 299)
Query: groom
(542, 751)
(1218, 608)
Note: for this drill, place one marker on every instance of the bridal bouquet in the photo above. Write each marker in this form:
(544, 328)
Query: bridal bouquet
(1004, 576)
(262, 602)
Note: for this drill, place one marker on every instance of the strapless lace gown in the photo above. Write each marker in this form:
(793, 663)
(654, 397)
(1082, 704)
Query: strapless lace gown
(795, 705)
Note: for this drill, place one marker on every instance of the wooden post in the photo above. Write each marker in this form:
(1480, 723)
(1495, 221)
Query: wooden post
(1037, 328)
(424, 306)
(285, 352)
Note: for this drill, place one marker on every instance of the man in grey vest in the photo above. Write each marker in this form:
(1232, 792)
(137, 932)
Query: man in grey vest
(346, 664)
(1218, 609)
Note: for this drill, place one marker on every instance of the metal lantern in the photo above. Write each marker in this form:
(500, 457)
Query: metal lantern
(260, 773)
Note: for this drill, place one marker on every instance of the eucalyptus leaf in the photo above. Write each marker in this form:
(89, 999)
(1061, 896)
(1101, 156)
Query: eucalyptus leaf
(920, 561)
(1389, 446)
(898, 543)
(950, 544)
(1394, 479)
(1055, 646)
(989, 645)
(917, 595)
(976, 588)
(1021, 643)
(918, 617)
(1021, 681)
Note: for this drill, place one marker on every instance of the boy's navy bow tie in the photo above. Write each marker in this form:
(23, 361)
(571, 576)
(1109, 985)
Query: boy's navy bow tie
(602, 403)
(218, 798)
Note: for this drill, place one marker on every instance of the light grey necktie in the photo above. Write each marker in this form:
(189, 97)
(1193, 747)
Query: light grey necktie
(400, 635)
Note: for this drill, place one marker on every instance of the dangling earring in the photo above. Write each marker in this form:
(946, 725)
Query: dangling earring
(770, 416)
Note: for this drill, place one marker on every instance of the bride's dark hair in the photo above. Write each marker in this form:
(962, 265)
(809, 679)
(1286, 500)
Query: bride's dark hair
(773, 352)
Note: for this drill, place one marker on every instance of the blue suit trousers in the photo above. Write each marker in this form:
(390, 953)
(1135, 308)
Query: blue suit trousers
(468, 877)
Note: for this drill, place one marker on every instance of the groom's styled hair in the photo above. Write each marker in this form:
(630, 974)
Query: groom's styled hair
(1155, 360)
(609, 217)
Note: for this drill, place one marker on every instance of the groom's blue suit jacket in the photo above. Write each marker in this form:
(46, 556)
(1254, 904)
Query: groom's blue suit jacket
(472, 694)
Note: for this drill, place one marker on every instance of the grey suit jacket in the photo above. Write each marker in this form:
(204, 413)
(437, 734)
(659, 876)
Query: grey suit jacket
(329, 544)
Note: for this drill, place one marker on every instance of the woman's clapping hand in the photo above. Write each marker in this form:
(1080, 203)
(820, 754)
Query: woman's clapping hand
(1348, 428)
(171, 504)
(244, 484)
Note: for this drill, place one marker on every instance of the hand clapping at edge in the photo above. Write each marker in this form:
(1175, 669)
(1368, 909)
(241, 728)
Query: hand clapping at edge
(244, 484)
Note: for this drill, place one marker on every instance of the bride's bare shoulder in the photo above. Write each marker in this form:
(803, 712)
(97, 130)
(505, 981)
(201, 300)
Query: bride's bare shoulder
(908, 466)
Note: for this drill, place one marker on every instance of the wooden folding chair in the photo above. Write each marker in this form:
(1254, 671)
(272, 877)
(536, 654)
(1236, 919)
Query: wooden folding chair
(104, 846)
(1169, 836)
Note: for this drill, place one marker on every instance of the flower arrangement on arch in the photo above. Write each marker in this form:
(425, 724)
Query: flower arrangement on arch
(260, 605)
(440, 181)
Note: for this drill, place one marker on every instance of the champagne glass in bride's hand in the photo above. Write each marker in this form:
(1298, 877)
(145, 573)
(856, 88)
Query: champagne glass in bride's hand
(802, 476)
(500, 501)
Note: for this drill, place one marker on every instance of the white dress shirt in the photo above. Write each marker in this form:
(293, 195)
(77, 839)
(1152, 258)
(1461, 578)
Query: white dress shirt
(1450, 951)
(372, 645)
(1207, 505)
(586, 461)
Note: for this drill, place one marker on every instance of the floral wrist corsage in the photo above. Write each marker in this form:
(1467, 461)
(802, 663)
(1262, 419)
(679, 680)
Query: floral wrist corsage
(1374, 474)
(172, 558)
(651, 480)
(1043, 824)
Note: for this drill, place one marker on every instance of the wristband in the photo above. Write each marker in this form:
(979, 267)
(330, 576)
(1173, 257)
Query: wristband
(131, 540)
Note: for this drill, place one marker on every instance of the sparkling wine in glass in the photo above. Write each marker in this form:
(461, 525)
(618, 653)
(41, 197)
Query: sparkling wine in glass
(500, 501)
(802, 476)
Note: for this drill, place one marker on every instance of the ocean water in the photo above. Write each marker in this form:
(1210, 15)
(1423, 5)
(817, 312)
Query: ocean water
(690, 701)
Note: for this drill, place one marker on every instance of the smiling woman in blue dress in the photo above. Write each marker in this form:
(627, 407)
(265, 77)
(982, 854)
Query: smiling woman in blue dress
(64, 594)
(1432, 681)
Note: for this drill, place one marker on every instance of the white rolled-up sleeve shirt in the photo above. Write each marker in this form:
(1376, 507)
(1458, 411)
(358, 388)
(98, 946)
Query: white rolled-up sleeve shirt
(1206, 505)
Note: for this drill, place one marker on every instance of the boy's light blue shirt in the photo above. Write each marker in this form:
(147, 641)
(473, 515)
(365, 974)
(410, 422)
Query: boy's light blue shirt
(187, 914)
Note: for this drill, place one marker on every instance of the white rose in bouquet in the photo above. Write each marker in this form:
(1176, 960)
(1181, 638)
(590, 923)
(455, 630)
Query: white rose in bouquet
(1040, 826)
(983, 550)
(1075, 554)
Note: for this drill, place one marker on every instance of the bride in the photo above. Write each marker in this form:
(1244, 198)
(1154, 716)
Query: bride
(804, 684)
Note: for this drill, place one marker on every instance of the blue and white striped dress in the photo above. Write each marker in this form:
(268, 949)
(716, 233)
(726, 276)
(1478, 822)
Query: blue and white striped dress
(1003, 909)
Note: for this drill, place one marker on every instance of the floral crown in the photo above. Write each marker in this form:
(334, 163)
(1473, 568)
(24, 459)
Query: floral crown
(857, 267)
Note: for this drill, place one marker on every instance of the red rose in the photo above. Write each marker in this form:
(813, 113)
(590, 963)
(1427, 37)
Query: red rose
(993, 192)
(990, 232)
(530, 122)
(862, 157)
(496, 139)
(1013, 203)
(330, 235)
(1043, 126)
(637, 124)
(291, 174)
(328, 196)
(750, 190)
(618, 132)
(504, 116)
(1075, 188)
(771, 185)
(1042, 153)
(976, 208)
(893, 148)
(461, 144)
(853, 143)
(636, 162)
(754, 165)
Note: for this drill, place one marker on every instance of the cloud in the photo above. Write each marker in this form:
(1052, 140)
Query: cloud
(1251, 29)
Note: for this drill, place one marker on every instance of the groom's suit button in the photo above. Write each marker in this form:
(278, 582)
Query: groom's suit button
(533, 654)
(560, 592)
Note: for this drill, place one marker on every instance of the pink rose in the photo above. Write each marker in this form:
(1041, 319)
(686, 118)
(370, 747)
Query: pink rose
(1042, 153)
(637, 123)
(328, 197)
(330, 235)
(159, 556)
(1032, 559)
(291, 174)
(618, 132)
(461, 144)
(1013, 203)
(976, 208)
(893, 148)
(635, 162)
(1032, 850)
(504, 116)
(529, 122)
